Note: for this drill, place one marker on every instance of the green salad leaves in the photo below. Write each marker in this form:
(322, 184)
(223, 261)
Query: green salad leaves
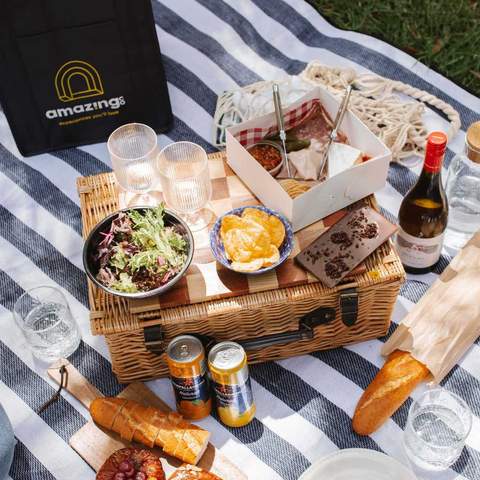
(139, 253)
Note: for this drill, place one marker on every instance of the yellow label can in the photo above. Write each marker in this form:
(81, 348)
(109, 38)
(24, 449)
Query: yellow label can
(228, 366)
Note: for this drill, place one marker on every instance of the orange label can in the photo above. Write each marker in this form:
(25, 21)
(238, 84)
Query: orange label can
(189, 376)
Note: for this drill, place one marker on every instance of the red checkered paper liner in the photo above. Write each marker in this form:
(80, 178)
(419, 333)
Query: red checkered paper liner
(292, 118)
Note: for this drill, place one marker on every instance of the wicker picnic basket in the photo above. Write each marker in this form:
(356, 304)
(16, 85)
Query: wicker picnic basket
(281, 314)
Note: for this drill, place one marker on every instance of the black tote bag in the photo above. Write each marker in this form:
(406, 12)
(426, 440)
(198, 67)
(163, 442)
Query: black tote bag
(71, 71)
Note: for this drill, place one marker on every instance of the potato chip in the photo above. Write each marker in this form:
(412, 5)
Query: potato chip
(260, 236)
(257, 215)
(229, 222)
(273, 257)
(247, 267)
(238, 245)
(276, 229)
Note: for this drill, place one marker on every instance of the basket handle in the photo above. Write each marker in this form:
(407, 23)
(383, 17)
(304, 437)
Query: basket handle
(305, 331)
(154, 337)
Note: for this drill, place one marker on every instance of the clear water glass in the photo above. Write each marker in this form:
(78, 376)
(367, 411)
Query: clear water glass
(47, 324)
(133, 151)
(437, 427)
(185, 180)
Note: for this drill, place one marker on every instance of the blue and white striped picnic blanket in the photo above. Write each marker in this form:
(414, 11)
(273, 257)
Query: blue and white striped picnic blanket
(304, 404)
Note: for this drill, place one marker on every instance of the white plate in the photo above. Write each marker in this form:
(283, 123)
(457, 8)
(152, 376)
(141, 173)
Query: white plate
(357, 464)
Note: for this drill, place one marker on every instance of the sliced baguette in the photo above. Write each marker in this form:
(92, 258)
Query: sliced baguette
(150, 426)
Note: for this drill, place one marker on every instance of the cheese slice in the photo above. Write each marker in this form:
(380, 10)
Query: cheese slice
(342, 157)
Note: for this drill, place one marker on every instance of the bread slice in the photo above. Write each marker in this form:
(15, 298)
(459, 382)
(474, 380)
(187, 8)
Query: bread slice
(191, 472)
(177, 437)
(145, 433)
(174, 418)
(105, 410)
(123, 423)
(192, 445)
(175, 443)
(160, 421)
(170, 433)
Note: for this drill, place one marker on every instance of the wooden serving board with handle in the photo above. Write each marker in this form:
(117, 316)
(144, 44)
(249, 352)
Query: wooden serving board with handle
(95, 444)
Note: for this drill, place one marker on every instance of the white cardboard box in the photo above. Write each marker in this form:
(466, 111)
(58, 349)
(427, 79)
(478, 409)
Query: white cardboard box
(329, 196)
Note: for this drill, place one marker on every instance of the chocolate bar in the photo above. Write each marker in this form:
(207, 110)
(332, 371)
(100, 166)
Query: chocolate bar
(335, 253)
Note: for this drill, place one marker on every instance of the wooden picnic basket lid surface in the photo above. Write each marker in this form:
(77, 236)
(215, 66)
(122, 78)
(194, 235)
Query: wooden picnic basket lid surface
(208, 287)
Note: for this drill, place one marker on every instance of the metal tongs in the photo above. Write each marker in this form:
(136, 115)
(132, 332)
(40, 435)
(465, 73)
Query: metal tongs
(281, 127)
(336, 125)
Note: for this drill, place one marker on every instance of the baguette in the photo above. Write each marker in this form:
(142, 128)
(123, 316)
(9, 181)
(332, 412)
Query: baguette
(392, 385)
(189, 472)
(150, 426)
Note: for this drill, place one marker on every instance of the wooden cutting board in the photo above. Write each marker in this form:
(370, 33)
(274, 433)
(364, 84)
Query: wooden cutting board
(95, 445)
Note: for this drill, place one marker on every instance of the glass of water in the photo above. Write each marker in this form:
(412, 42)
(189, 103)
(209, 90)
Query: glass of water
(133, 150)
(438, 425)
(185, 180)
(46, 322)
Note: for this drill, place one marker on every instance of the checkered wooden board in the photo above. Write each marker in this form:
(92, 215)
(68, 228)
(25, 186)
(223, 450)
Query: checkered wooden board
(205, 279)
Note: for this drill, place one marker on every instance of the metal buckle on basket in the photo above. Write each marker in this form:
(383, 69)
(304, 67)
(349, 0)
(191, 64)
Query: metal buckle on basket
(349, 306)
(154, 339)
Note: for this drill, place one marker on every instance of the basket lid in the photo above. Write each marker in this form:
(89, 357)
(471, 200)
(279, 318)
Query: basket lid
(207, 286)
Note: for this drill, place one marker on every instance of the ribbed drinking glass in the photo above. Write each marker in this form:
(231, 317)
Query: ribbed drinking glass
(133, 150)
(185, 180)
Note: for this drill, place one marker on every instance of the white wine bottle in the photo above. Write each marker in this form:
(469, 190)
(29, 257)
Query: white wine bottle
(424, 212)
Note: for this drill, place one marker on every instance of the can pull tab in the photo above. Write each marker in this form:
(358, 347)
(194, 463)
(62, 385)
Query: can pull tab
(183, 351)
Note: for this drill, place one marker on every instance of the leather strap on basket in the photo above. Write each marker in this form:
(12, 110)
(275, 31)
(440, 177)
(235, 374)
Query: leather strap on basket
(349, 306)
(154, 339)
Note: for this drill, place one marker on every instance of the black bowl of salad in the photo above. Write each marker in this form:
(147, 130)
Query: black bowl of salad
(138, 252)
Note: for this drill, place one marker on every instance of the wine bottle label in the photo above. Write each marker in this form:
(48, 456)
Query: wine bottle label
(418, 252)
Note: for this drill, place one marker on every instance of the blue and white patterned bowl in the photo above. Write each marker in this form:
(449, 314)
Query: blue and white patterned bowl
(216, 243)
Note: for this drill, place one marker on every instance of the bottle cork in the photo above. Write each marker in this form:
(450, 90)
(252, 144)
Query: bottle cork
(473, 142)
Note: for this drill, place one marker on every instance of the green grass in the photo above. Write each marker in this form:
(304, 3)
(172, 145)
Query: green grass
(443, 34)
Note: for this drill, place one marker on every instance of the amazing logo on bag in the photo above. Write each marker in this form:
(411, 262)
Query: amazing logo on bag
(74, 81)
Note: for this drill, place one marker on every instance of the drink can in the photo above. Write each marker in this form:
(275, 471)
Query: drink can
(189, 376)
(228, 366)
